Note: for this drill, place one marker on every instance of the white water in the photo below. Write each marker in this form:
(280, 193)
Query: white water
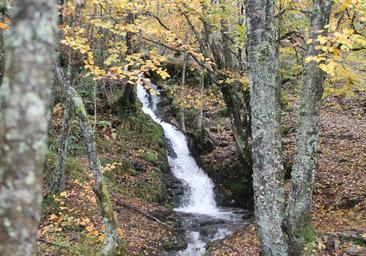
(200, 197)
(196, 247)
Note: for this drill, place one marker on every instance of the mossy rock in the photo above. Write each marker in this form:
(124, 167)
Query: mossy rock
(234, 189)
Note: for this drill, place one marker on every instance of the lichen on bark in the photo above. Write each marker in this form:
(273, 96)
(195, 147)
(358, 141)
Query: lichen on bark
(23, 122)
(298, 220)
(268, 174)
(112, 242)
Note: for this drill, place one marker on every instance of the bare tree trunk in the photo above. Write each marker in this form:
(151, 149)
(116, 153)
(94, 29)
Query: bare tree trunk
(100, 187)
(23, 123)
(4, 10)
(298, 212)
(202, 88)
(2, 57)
(184, 73)
(240, 124)
(58, 183)
(59, 176)
(237, 106)
(127, 103)
(268, 174)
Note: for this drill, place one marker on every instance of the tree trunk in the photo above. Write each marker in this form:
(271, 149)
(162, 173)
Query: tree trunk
(100, 188)
(2, 57)
(268, 174)
(298, 212)
(237, 107)
(58, 177)
(4, 13)
(200, 116)
(183, 84)
(23, 123)
(58, 183)
(127, 103)
(240, 125)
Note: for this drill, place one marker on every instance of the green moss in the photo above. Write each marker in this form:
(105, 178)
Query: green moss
(152, 189)
(107, 204)
(74, 169)
(231, 182)
(85, 247)
(241, 188)
(309, 235)
(223, 112)
(285, 102)
(150, 157)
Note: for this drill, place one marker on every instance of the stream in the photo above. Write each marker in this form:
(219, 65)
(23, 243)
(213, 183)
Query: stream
(201, 218)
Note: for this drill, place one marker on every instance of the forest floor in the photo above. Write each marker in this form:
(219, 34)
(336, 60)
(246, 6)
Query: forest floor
(339, 213)
(134, 159)
(133, 156)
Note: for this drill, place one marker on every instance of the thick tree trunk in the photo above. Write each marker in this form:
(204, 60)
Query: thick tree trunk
(23, 122)
(268, 174)
(100, 187)
(298, 212)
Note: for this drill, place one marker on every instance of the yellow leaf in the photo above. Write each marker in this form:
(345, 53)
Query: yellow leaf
(53, 217)
(3, 26)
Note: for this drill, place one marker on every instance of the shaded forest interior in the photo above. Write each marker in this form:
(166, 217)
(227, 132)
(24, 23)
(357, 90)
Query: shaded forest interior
(270, 96)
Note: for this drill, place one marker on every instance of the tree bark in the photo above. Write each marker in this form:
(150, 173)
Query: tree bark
(183, 84)
(4, 13)
(298, 212)
(23, 122)
(100, 188)
(58, 183)
(127, 103)
(268, 174)
(59, 176)
(240, 124)
(2, 57)
(234, 98)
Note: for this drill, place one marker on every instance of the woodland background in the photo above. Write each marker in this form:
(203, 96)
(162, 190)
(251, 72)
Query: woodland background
(107, 177)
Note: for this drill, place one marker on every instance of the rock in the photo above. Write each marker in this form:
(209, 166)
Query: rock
(176, 189)
(174, 243)
(336, 245)
(352, 250)
(201, 141)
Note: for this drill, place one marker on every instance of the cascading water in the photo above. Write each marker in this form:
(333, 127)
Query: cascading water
(199, 199)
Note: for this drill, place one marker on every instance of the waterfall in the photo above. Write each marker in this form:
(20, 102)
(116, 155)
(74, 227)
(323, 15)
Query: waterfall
(199, 197)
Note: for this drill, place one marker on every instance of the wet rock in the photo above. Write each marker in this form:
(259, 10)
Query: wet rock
(201, 141)
(174, 243)
(175, 189)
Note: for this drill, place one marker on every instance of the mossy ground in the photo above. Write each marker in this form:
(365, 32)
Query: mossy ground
(71, 223)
